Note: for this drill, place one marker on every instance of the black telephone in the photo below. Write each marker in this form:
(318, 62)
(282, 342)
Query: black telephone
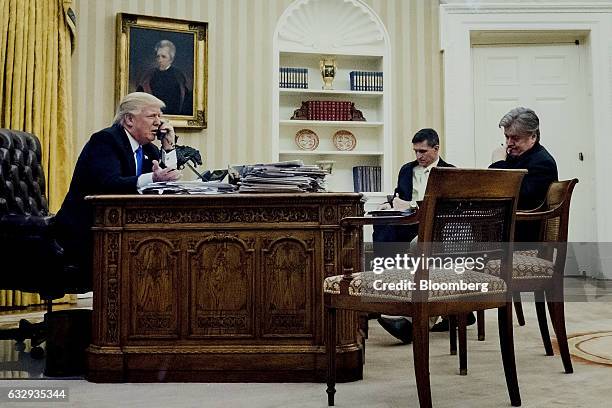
(160, 134)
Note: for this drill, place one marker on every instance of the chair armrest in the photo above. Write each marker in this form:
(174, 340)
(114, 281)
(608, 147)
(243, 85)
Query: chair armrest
(30, 241)
(538, 215)
(26, 223)
(539, 208)
(382, 220)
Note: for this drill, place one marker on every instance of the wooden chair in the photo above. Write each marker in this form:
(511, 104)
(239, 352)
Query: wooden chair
(541, 270)
(462, 209)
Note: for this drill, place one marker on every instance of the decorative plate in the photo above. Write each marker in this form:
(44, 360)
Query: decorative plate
(306, 139)
(344, 140)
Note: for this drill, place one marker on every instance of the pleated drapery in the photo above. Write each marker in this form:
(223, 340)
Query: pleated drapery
(36, 43)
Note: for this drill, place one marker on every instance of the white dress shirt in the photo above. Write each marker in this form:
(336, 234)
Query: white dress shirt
(169, 158)
(420, 176)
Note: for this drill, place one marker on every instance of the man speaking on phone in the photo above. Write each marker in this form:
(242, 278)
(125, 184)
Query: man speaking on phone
(115, 160)
(524, 151)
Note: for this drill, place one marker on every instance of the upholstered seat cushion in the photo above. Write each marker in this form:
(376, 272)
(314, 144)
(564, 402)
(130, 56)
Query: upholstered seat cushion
(444, 284)
(524, 267)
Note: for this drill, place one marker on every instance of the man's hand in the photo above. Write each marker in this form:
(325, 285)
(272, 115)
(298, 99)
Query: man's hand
(166, 174)
(169, 140)
(399, 204)
(384, 206)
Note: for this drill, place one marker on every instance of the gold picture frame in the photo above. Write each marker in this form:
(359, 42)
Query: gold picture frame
(142, 44)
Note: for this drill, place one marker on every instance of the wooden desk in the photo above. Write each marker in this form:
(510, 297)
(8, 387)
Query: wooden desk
(218, 288)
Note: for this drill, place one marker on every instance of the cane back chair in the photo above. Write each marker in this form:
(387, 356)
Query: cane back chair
(464, 212)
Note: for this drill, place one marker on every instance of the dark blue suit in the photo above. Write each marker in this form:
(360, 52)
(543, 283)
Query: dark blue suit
(105, 166)
(541, 172)
(404, 233)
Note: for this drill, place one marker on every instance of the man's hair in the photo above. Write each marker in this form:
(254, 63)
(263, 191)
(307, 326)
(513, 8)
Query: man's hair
(134, 103)
(426, 135)
(521, 120)
(166, 44)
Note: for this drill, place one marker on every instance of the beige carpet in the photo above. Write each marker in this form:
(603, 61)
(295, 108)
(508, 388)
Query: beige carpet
(389, 379)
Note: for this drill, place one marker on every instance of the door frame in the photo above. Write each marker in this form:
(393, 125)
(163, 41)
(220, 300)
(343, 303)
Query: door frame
(460, 24)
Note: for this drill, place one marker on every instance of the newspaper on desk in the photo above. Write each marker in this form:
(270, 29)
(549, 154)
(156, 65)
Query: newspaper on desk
(282, 177)
(187, 187)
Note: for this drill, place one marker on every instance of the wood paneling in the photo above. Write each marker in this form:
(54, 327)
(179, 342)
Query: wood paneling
(220, 288)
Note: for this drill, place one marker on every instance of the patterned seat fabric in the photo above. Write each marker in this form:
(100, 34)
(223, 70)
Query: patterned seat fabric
(528, 252)
(524, 267)
(441, 284)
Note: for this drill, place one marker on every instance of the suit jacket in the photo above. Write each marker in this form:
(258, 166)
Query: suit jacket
(399, 233)
(541, 171)
(105, 166)
(404, 179)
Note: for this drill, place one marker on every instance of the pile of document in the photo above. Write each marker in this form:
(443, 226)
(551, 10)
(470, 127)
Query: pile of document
(187, 187)
(283, 177)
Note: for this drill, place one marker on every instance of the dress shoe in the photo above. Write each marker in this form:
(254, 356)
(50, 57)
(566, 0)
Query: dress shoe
(401, 329)
(442, 325)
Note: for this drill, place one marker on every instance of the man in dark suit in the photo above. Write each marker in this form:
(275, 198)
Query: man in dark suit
(411, 185)
(524, 151)
(115, 160)
(167, 82)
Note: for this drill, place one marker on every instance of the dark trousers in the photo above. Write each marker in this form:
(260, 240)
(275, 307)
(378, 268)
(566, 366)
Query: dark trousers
(77, 244)
(389, 240)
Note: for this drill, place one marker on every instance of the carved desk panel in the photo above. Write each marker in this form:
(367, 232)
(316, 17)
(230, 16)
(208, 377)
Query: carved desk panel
(218, 288)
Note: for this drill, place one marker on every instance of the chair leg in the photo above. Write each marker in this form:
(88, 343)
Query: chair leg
(480, 323)
(543, 322)
(452, 334)
(331, 355)
(557, 315)
(462, 323)
(518, 306)
(420, 327)
(506, 342)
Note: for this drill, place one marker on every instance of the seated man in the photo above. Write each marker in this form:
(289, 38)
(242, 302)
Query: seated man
(523, 151)
(411, 184)
(115, 160)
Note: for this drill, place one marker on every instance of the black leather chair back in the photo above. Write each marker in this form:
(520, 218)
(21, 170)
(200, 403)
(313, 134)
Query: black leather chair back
(22, 180)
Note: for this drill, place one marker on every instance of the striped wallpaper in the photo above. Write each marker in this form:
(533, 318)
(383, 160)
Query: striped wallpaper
(239, 76)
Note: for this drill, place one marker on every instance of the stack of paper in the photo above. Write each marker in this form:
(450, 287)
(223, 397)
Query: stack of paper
(187, 187)
(283, 177)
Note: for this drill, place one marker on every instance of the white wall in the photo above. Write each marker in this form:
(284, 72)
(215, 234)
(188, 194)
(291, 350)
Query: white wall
(459, 18)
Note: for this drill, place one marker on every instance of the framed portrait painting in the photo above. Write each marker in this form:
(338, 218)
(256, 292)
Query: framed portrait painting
(167, 58)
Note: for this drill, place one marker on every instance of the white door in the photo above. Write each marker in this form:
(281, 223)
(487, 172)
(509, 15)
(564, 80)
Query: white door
(550, 79)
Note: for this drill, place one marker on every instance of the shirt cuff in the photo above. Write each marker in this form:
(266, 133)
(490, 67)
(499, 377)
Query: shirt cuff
(144, 179)
(169, 158)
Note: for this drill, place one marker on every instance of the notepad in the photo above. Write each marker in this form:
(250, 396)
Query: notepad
(392, 212)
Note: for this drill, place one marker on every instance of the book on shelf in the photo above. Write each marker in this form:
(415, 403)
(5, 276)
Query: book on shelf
(328, 110)
(367, 179)
(366, 81)
(293, 77)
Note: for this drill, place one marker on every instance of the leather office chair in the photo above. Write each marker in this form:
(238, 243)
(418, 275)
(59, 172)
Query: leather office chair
(32, 260)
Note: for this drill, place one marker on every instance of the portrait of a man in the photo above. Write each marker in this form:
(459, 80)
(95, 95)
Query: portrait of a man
(162, 64)
(166, 58)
